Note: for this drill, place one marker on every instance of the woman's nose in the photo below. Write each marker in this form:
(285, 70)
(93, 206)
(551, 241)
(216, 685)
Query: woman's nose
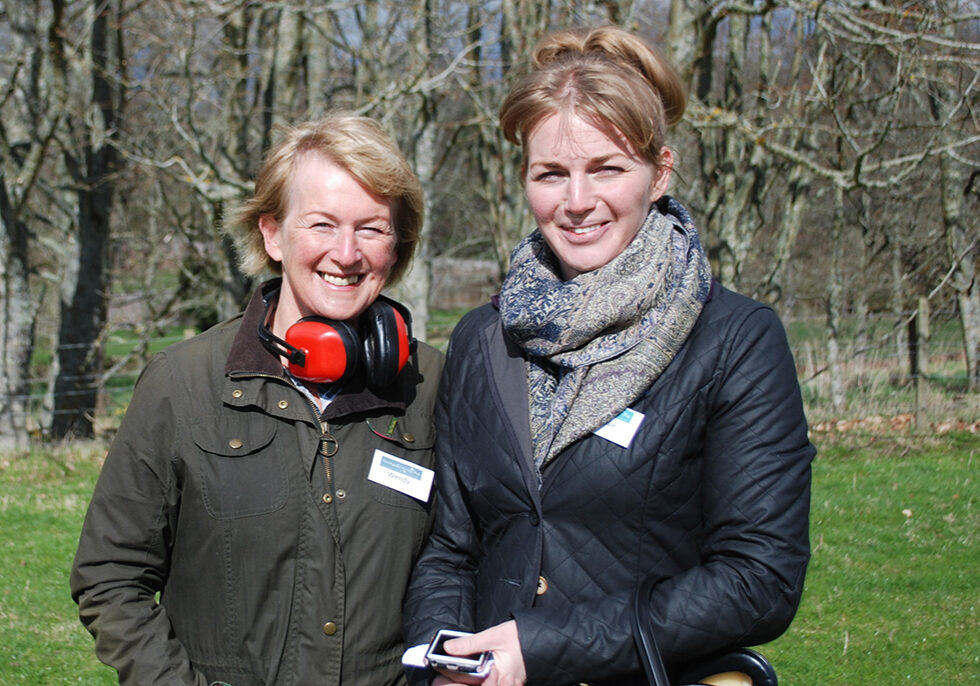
(345, 249)
(580, 198)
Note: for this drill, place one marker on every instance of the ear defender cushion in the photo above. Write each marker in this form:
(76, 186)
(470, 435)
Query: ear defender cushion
(330, 347)
(387, 342)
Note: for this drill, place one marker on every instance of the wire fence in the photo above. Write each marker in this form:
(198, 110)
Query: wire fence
(874, 361)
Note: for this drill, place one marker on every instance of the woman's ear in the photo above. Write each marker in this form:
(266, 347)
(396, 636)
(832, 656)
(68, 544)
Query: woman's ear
(270, 235)
(662, 180)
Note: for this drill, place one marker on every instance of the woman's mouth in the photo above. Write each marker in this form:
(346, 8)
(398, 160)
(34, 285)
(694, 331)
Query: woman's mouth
(584, 230)
(340, 280)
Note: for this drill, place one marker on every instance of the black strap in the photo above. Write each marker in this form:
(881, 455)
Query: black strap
(646, 644)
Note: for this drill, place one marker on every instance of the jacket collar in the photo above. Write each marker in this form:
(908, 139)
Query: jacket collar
(248, 357)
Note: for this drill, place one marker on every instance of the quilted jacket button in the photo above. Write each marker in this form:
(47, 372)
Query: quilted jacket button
(329, 628)
(542, 586)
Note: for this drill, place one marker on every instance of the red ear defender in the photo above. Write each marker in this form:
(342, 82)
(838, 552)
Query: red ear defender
(387, 330)
(404, 340)
(330, 350)
(324, 350)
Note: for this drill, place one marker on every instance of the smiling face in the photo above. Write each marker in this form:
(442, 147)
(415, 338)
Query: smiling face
(336, 244)
(589, 193)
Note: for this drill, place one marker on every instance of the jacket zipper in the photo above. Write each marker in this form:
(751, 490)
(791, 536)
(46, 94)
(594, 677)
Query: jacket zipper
(328, 448)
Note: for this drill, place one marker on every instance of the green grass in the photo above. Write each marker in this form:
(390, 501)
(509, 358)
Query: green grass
(891, 595)
(43, 496)
(892, 590)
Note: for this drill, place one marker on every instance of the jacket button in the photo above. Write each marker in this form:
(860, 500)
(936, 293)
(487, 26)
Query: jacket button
(235, 443)
(327, 498)
(237, 393)
(341, 493)
(533, 518)
(329, 628)
(283, 404)
(542, 586)
(409, 438)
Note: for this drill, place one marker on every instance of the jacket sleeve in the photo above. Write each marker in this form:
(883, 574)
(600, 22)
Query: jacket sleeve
(755, 490)
(442, 591)
(123, 552)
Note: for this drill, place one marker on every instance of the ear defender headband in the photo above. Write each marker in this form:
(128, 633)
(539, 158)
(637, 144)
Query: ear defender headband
(325, 350)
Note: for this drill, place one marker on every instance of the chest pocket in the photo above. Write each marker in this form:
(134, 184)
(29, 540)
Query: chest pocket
(411, 441)
(241, 473)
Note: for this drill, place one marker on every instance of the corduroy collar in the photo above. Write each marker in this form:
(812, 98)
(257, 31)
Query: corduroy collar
(248, 357)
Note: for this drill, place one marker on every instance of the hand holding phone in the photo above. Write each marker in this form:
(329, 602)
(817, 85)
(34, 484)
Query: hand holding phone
(470, 669)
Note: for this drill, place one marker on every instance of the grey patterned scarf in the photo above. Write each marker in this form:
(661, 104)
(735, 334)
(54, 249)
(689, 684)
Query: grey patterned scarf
(595, 343)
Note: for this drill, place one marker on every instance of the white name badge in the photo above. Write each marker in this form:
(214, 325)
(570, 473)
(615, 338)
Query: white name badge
(401, 475)
(622, 428)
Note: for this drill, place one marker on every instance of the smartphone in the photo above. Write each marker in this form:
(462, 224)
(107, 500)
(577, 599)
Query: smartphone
(477, 666)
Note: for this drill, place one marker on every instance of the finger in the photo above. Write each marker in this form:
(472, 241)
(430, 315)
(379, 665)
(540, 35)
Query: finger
(461, 646)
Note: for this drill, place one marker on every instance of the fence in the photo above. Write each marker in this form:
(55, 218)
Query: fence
(874, 368)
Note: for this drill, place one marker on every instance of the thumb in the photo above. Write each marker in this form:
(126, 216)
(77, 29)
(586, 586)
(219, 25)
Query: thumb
(463, 645)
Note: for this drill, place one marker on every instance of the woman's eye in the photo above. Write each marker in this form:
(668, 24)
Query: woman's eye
(549, 175)
(373, 230)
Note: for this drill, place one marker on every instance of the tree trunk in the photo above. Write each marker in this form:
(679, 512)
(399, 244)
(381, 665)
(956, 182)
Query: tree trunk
(85, 294)
(950, 112)
(835, 305)
(897, 300)
(416, 284)
(18, 325)
(963, 251)
(20, 168)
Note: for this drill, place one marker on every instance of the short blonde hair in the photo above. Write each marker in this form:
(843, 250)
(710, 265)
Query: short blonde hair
(359, 145)
(608, 75)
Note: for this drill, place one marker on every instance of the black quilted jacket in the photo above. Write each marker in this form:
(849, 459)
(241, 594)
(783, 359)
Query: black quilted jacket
(711, 498)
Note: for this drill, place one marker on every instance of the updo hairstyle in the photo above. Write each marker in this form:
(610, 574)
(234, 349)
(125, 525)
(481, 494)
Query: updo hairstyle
(607, 75)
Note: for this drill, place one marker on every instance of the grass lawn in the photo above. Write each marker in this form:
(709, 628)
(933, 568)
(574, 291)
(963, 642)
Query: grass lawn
(892, 590)
(43, 496)
(891, 596)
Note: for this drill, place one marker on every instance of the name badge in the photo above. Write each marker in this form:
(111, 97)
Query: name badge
(401, 475)
(622, 428)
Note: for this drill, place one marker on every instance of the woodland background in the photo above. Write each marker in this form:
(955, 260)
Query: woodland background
(830, 156)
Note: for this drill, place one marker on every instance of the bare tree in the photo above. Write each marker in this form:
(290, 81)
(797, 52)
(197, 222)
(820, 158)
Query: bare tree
(843, 132)
(836, 118)
(952, 85)
(62, 93)
(26, 131)
(87, 73)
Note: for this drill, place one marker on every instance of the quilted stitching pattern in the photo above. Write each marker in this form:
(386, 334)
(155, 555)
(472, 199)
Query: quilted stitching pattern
(711, 500)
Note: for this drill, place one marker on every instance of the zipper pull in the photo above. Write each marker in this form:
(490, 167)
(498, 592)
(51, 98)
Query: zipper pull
(329, 446)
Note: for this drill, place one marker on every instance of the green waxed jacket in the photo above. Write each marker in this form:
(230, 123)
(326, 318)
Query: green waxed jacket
(222, 545)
